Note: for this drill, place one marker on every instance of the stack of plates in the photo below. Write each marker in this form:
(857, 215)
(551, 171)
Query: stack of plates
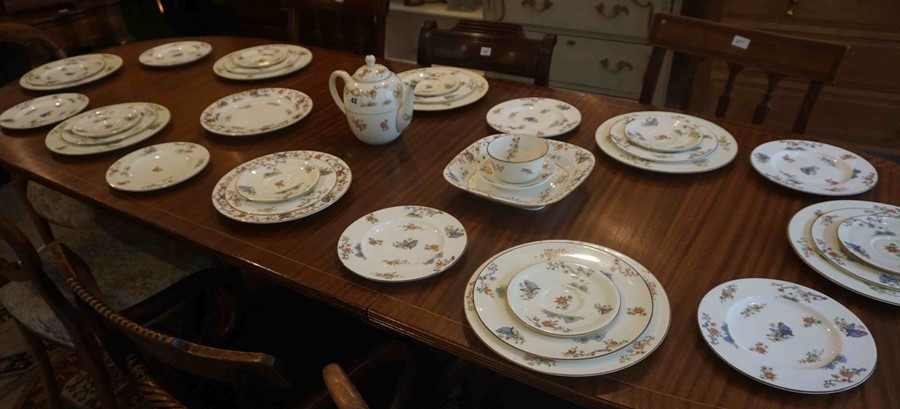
(264, 61)
(567, 308)
(787, 336)
(814, 167)
(852, 243)
(541, 117)
(41, 111)
(666, 142)
(442, 88)
(158, 166)
(256, 111)
(107, 128)
(282, 186)
(177, 53)
(402, 243)
(70, 72)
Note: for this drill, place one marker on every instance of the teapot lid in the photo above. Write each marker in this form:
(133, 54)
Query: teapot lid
(372, 72)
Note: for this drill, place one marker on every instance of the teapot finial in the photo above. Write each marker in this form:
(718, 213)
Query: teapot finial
(370, 60)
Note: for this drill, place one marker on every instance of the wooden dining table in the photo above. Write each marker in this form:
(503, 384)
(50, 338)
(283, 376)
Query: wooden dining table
(692, 231)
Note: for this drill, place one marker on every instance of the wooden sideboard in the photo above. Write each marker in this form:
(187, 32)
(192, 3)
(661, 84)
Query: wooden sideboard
(75, 25)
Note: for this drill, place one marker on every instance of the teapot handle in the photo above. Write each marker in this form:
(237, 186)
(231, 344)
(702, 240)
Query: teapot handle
(332, 86)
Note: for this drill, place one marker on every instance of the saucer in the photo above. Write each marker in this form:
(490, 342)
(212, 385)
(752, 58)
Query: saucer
(297, 58)
(436, 83)
(147, 118)
(157, 115)
(259, 57)
(668, 134)
(874, 240)
(106, 121)
(707, 146)
(278, 181)
(548, 171)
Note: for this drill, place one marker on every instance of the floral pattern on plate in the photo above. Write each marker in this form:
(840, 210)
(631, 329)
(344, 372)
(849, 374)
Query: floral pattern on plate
(108, 64)
(256, 111)
(787, 336)
(664, 133)
(725, 152)
(573, 165)
(333, 183)
(708, 145)
(548, 171)
(274, 182)
(472, 87)
(543, 117)
(177, 53)
(873, 239)
(161, 116)
(814, 167)
(147, 117)
(802, 241)
(492, 289)
(259, 57)
(402, 243)
(105, 121)
(41, 111)
(297, 58)
(633, 353)
(64, 71)
(824, 232)
(157, 166)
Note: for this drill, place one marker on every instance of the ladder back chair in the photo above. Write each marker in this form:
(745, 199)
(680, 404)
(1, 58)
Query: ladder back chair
(777, 54)
(356, 26)
(487, 46)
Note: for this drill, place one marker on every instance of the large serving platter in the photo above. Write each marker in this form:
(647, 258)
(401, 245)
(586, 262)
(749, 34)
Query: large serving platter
(787, 336)
(625, 357)
(297, 58)
(572, 163)
(725, 151)
(802, 242)
(256, 111)
(42, 111)
(154, 118)
(175, 53)
(402, 243)
(542, 117)
(471, 87)
(824, 232)
(334, 180)
(814, 167)
(97, 65)
(157, 166)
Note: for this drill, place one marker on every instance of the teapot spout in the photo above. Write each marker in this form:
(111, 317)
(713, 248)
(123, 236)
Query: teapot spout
(405, 113)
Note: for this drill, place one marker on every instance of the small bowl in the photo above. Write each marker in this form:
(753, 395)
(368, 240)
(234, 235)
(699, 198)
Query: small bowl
(517, 158)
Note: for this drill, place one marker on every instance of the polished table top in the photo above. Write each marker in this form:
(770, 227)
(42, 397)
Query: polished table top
(692, 232)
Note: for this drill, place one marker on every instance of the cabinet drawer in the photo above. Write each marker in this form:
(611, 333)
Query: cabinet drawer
(629, 18)
(605, 65)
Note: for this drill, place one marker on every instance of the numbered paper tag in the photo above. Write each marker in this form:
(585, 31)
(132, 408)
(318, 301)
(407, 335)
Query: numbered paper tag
(485, 51)
(740, 42)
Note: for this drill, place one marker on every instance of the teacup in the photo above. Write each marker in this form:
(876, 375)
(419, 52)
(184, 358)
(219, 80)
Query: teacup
(517, 158)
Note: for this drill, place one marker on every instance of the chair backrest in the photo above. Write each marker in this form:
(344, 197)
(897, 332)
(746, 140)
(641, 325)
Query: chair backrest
(357, 26)
(37, 45)
(777, 54)
(487, 46)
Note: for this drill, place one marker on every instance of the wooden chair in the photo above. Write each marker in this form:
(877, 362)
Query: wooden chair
(487, 46)
(256, 377)
(357, 26)
(31, 38)
(779, 55)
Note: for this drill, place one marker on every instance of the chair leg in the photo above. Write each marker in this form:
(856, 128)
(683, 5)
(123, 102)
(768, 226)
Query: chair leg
(90, 355)
(38, 353)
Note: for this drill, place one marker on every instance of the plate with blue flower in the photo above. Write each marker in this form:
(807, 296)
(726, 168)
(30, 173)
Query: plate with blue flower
(814, 167)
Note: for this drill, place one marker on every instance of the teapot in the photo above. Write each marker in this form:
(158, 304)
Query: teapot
(378, 105)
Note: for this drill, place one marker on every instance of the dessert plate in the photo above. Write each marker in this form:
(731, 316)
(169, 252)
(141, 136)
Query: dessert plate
(824, 232)
(625, 357)
(297, 58)
(158, 116)
(802, 242)
(493, 290)
(334, 181)
(472, 87)
(663, 133)
(65, 71)
(101, 65)
(256, 111)
(177, 53)
(402, 243)
(157, 166)
(708, 145)
(437, 83)
(580, 299)
(874, 240)
(41, 111)
(814, 167)
(274, 182)
(543, 117)
(787, 336)
(106, 121)
(573, 165)
(725, 152)
(259, 57)
(147, 117)
(548, 172)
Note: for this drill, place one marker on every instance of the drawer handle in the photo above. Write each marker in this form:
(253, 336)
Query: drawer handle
(616, 10)
(532, 4)
(621, 65)
(794, 3)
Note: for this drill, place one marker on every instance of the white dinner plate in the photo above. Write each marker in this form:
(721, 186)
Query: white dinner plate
(157, 166)
(824, 232)
(275, 182)
(108, 64)
(161, 116)
(542, 117)
(814, 167)
(473, 86)
(402, 243)
(874, 240)
(256, 111)
(787, 336)
(707, 146)
(176, 53)
(298, 57)
(41, 111)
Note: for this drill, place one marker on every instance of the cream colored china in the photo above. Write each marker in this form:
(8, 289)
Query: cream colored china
(814, 167)
(402, 243)
(709, 144)
(824, 232)
(277, 181)
(291, 60)
(378, 105)
(176, 53)
(65, 71)
(547, 173)
(663, 133)
(41, 111)
(802, 242)
(473, 86)
(105, 121)
(108, 63)
(161, 116)
(158, 166)
(148, 116)
(297, 58)
(787, 336)
(256, 111)
(436, 84)
(259, 57)
(517, 158)
(333, 183)
(633, 353)
(542, 117)
(873, 240)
